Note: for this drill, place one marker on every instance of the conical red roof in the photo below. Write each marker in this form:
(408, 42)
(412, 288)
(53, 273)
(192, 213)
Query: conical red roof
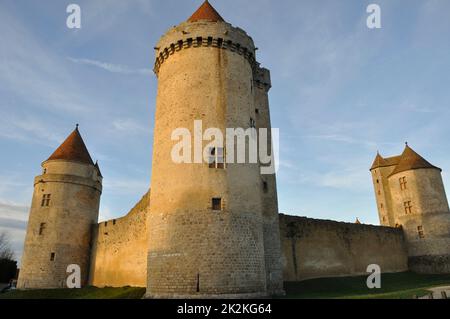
(378, 162)
(381, 161)
(206, 12)
(411, 160)
(73, 149)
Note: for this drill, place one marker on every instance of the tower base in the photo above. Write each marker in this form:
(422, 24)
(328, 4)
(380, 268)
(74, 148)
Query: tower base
(201, 296)
(433, 264)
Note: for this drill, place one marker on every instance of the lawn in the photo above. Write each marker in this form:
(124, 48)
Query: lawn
(84, 293)
(393, 286)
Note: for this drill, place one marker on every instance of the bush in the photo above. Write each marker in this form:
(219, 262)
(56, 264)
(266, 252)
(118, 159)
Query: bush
(8, 270)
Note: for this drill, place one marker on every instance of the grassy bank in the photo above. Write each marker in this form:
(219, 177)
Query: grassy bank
(84, 293)
(393, 286)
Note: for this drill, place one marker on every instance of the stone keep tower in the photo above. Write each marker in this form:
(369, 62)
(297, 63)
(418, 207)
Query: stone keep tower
(207, 222)
(64, 207)
(410, 194)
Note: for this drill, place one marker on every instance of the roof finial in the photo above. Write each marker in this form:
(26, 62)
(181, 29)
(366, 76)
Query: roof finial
(77, 125)
(406, 143)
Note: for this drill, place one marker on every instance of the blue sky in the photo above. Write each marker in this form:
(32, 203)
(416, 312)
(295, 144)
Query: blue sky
(340, 93)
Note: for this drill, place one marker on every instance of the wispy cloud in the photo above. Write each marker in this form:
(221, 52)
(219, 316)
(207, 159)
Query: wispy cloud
(347, 139)
(27, 128)
(124, 185)
(13, 221)
(130, 126)
(113, 68)
(13, 212)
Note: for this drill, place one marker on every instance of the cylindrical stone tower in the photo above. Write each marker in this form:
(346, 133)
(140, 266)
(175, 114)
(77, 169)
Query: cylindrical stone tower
(64, 208)
(421, 208)
(206, 219)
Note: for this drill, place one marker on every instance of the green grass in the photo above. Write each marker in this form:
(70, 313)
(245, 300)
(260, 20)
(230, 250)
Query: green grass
(84, 293)
(393, 286)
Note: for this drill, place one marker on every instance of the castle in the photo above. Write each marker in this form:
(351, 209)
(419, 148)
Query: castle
(213, 229)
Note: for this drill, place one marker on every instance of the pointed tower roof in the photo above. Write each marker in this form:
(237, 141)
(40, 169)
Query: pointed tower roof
(73, 149)
(378, 162)
(98, 169)
(206, 12)
(411, 160)
(381, 161)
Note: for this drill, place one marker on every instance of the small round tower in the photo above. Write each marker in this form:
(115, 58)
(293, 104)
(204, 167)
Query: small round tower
(206, 223)
(65, 205)
(420, 207)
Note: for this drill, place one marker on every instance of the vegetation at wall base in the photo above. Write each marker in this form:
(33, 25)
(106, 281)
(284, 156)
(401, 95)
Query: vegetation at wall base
(405, 285)
(393, 286)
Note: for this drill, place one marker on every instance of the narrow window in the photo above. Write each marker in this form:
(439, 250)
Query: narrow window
(198, 282)
(220, 158)
(199, 41)
(378, 181)
(252, 123)
(212, 157)
(45, 200)
(420, 232)
(52, 257)
(106, 224)
(265, 187)
(114, 222)
(402, 181)
(41, 228)
(216, 158)
(408, 207)
(382, 205)
(219, 42)
(217, 204)
(210, 41)
(257, 111)
(384, 219)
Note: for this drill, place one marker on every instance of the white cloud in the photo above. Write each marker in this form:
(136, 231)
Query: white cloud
(13, 221)
(27, 128)
(124, 185)
(130, 126)
(113, 68)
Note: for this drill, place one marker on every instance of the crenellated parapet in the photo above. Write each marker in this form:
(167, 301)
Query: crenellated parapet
(219, 35)
(262, 79)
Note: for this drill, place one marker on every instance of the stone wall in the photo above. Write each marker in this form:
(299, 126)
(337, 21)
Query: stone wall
(119, 250)
(319, 248)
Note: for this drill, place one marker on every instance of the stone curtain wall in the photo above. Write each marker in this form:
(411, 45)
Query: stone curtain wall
(319, 248)
(311, 249)
(119, 251)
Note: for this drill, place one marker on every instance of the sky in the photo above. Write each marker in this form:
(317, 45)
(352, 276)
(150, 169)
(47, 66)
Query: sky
(340, 92)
